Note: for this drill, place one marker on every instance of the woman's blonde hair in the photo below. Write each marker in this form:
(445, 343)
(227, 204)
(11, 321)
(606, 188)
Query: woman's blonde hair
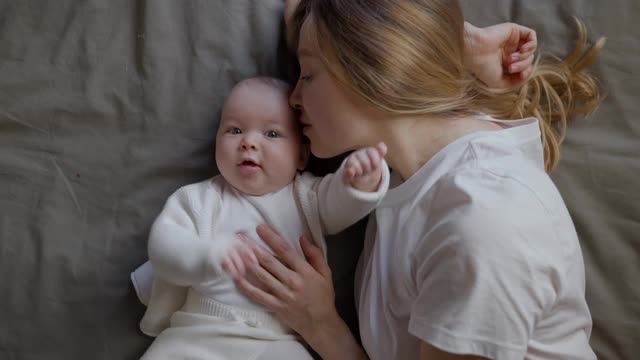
(407, 57)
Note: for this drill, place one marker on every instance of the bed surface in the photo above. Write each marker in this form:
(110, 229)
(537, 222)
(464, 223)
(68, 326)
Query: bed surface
(106, 107)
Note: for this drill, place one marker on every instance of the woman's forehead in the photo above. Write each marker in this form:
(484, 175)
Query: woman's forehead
(308, 41)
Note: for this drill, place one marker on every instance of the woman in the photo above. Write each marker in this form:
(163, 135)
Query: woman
(473, 254)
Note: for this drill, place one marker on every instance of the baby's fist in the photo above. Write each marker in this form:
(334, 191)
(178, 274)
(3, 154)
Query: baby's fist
(363, 169)
(233, 263)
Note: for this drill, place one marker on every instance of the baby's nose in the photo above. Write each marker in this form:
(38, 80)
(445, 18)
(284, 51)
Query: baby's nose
(246, 146)
(249, 143)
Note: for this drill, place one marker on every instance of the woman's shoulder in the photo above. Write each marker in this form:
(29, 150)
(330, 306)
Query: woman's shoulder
(478, 200)
(509, 184)
(487, 211)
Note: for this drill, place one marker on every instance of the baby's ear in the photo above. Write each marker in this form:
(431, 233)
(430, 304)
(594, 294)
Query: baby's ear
(305, 152)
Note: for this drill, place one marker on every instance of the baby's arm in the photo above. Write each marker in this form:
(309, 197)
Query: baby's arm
(176, 250)
(354, 190)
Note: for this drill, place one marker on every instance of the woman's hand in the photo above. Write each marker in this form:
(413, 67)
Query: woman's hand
(501, 56)
(300, 291)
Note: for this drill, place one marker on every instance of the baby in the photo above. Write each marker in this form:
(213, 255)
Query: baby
(194, 308)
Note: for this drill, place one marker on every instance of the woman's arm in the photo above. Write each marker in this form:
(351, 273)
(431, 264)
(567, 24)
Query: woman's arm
(428, 352)
(300, 291)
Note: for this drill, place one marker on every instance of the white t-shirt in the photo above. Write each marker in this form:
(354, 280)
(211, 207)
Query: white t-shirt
(475, 254)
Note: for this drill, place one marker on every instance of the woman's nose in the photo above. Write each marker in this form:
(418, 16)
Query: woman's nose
(295, 100)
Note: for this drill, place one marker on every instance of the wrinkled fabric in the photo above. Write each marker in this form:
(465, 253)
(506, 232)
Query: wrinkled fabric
(107, 107)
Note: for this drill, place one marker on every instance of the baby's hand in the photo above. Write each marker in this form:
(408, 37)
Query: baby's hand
(239, 254)
(363, 170)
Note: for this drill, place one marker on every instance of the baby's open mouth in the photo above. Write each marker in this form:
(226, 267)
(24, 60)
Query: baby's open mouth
(249, 163)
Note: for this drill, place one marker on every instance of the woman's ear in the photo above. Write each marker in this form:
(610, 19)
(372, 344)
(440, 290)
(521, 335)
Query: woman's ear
(305, 151)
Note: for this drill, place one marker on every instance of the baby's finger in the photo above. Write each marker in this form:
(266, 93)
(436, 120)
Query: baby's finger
(364, 162)
(348, 169)
(246, 254)
(349, 172)
(374, 159)
(382, 149)
(356, 167)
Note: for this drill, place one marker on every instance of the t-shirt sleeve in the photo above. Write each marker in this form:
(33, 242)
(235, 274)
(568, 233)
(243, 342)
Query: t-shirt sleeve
(480, 286)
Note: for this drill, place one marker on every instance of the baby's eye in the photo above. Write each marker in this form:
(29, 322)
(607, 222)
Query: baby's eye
(272, 134)
(235, 131)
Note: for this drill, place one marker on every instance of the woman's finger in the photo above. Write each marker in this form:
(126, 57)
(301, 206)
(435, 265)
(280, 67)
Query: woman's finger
(248, 256)
(525, 54)
(520, 66)
(529, 39)
(228, 267)
(280, 278)
(237, 263)
(258, 295)
(525, 74)
(511, 45)
(315, 257)
(518, 56)
(285, 252)
(521, 43)
(275, 286)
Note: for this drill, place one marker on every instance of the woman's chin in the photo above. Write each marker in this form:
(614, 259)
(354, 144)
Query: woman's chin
(325, 153)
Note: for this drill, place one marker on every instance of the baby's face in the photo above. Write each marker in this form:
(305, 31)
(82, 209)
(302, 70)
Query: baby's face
(258, 145)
